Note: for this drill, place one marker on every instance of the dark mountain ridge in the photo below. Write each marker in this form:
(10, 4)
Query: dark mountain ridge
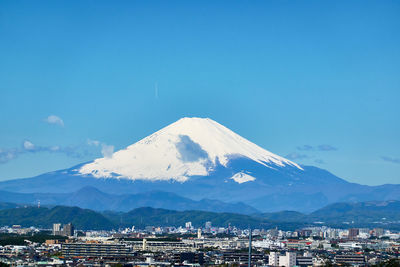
(44, 217)
(385, 214)
(92, 198)
(276, 189)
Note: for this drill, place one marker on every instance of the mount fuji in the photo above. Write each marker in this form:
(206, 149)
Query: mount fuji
(198, 158)
(186, 148)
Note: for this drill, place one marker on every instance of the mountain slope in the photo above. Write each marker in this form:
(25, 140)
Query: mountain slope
(146, 216)
(283, 216)
(92, 198)
(7, 205)
(200, 159)
(44, 217)
(361, 212)
(188, 147)
(366, 214)
(273, 190)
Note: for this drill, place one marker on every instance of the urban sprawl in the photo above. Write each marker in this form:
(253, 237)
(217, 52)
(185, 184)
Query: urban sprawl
(205, 246)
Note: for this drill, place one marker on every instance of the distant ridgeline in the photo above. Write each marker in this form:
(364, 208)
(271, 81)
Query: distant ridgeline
(345, 215)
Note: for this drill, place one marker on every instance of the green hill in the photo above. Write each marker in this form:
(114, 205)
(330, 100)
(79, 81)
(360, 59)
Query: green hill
(45, 217)
(362, 212)
(365, 214)
(141, 217)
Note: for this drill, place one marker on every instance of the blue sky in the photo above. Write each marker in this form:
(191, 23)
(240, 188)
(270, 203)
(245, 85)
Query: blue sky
(316, 81)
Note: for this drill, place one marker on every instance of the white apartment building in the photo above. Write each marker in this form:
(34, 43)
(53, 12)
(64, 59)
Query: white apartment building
(287, 260)
(273, 259)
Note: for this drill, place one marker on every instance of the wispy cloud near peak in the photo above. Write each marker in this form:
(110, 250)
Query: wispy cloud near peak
(106, 150)
(53, 119)
(28, 145)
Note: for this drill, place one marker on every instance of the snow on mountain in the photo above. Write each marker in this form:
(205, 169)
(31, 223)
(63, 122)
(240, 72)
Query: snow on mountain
(188, 147)
(242, 177)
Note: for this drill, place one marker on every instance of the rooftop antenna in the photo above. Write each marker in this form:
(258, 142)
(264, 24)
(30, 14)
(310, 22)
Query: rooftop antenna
(250, 236)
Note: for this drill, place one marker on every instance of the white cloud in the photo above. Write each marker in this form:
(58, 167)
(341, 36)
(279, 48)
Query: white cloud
(91, 142)
(53, 119)
(107, 150)
(30, 148)
(28, 145)
(7, 155)
(54, 148)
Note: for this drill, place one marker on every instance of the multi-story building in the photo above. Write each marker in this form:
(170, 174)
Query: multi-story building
(56, 228)
(199, 233)
(273, 259)
(188, 257)
(350, 259)
(287, 260)
(305, 260)
(154, 246)
(353, 233)
(66, 230)
(378, 232)
(96, 250)
(188, 225)
(241, 258)
(297, 244)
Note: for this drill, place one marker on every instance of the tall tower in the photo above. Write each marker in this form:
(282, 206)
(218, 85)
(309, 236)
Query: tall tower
(144, 245)
(250, 236)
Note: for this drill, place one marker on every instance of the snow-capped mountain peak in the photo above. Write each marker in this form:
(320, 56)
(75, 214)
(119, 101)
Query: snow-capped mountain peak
(188, 147)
